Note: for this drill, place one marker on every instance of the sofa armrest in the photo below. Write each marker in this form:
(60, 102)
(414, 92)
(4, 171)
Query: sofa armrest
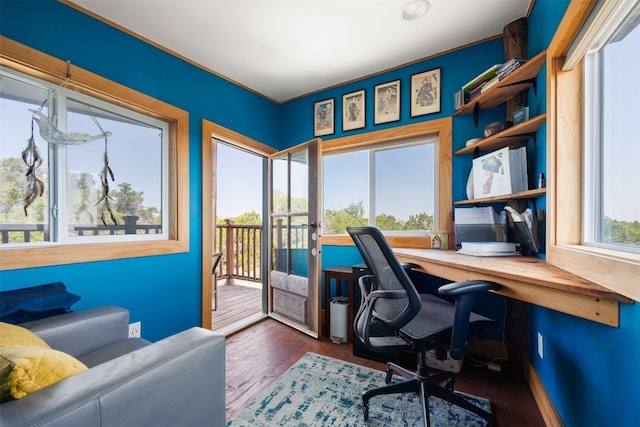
(177, 381)
(80, 332)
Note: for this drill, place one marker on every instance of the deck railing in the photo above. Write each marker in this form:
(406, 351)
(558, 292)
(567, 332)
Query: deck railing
(40, 232)
(241, 246)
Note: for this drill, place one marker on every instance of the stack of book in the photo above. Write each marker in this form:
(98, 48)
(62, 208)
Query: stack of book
(485, 81)
(504, 70)
(474, 87)
(500, 172)
(508, 67)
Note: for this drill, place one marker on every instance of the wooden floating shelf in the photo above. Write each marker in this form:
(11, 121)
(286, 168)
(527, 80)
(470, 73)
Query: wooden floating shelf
(508, 87)
(507, 137)
(529, 194)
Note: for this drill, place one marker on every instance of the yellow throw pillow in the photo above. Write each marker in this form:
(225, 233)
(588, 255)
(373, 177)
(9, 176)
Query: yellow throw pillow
(17, 335)
(25, 369)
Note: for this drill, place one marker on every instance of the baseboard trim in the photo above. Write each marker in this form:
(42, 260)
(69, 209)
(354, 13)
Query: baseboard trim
(548, 411)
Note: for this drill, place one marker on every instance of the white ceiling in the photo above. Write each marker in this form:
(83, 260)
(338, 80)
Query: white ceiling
(284, 49)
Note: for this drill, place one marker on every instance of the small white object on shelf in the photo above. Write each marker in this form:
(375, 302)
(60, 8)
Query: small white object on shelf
(488, 249)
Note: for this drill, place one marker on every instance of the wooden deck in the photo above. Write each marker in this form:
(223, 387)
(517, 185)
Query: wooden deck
(239, 305)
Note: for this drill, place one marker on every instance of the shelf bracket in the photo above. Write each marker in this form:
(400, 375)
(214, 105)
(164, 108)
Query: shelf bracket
(533, 82)
(476, 114)
(531, 135)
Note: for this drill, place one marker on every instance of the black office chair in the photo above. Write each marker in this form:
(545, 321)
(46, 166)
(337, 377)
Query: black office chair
(415, 322)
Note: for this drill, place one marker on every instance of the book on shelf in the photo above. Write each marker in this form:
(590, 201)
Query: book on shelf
(475, 85)
(509, 66)
(520, 115)
(500, 172)
(458, 99)
(491, 83)
(488, 74)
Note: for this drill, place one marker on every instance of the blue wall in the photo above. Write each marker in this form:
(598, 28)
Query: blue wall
(589, 370)
(164, 292)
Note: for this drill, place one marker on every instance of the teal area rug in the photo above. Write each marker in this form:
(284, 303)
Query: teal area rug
(321, 391)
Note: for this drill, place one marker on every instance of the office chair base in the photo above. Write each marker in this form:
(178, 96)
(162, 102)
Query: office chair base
(423, 386)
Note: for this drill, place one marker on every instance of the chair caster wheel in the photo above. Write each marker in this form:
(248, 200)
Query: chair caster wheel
(449, 384)
(388, 377)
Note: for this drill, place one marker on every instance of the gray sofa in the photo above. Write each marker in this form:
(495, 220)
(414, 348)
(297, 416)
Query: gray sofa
(178, 381)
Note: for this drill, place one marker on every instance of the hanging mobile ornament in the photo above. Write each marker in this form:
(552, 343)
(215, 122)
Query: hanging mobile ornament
(106, 199)
(35, 186)
(53, 135)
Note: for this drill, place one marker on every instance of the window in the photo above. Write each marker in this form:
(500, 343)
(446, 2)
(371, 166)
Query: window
(67, 172)
(579, 236)
(390, 187)
(66, 199)
(611, 205)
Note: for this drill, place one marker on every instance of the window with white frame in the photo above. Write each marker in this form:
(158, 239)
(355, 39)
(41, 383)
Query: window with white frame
(611, 209)
(68, 194)
(391, 187)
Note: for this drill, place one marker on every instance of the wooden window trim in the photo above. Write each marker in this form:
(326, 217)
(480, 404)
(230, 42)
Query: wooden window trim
(614, 270)
(439, 128)
(24, 59)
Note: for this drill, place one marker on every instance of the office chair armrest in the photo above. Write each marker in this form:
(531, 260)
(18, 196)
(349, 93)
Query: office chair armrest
(389, 294)
(368, 292)
(467, 286)
(465, 294)
(407, 266)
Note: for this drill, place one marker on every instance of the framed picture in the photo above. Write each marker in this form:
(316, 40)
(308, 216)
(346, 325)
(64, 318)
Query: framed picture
(425, 92)
(353, 110)
(386, 102)
(324, 117)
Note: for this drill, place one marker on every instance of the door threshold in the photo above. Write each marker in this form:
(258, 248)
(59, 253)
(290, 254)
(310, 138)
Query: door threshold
(241, 324)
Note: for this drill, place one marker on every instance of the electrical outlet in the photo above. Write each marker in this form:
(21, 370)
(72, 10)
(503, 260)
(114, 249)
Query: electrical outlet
(540, 346)
(135, 329)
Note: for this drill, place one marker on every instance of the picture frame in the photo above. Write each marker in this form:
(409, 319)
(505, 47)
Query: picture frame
(386, 102)
(324, 117)
(425, 92)
(353, 110)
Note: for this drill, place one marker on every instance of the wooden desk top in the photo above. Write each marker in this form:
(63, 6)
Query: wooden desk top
(525, 278)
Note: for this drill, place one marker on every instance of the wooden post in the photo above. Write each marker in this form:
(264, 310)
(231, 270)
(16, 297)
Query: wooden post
(130, 222)
(514, 35)
(231, 253)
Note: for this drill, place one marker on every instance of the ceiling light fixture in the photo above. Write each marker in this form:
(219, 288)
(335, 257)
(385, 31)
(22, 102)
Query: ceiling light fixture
(415, 9)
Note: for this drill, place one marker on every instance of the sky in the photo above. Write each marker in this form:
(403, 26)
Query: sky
(622, 154)
(141, 170)
(239, 176)
(239, 182)
(403, 179)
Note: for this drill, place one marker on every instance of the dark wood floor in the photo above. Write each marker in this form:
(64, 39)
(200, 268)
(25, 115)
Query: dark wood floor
(260, 354)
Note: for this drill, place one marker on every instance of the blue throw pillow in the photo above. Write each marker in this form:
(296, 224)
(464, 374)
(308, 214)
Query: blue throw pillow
(36, 302)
